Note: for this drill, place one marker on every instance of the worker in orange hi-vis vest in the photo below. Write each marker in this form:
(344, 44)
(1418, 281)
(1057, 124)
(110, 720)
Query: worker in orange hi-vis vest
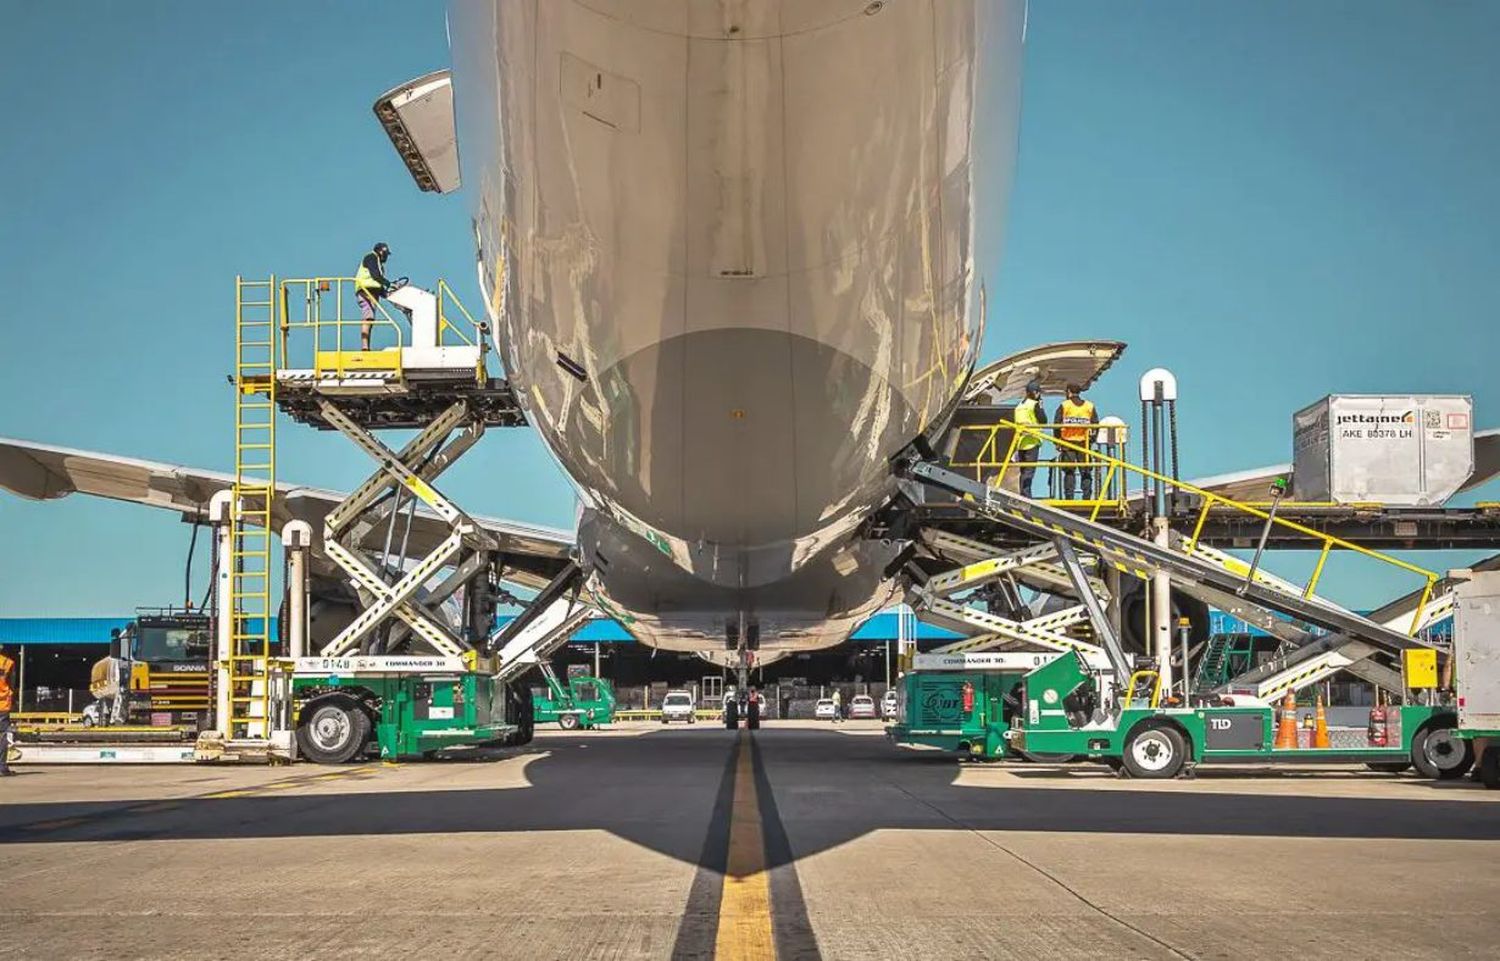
(1075, 417)
(7, 704)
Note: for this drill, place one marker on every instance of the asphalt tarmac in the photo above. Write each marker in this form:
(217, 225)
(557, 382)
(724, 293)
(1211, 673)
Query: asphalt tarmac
(800, 841)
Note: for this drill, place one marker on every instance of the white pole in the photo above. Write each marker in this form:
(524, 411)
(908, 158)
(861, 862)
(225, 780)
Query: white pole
(296, 540)
(218, 515)
(1161, 611)
(21, 683)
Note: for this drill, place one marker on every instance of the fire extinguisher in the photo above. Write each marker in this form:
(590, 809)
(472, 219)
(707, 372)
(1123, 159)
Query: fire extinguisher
(1378, 734)
(968, 696)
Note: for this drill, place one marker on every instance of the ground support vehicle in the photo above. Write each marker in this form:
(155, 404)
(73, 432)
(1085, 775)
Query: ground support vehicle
(1061, 712)
(580, 702)
(1476, 653)
(962, 703)
(407, 706)
(678, 706)
(156, 674)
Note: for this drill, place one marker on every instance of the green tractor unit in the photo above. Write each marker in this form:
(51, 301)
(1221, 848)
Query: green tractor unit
(1062, 712)
(582, 701)
(961, 703)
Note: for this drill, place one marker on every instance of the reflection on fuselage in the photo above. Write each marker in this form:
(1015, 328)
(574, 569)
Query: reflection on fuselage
(729, 250)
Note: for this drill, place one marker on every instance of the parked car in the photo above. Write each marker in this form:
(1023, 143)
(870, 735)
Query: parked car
(678, 706)
(862, 708)
(824, 710)
(890, 706)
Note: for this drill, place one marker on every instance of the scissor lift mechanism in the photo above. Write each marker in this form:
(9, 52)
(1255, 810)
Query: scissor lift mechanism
(1207, 574)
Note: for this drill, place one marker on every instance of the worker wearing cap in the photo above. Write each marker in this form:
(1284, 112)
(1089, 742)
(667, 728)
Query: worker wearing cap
(7, 704)
(1029, 413)
(369, 286)
(1075, 418)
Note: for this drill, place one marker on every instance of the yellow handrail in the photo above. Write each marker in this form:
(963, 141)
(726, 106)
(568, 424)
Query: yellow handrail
(1111, 490)
(330, 354)
(446, 295)
(1328, 541)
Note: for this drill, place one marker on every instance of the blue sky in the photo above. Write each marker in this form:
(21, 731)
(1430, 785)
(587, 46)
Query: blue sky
(1276, 200)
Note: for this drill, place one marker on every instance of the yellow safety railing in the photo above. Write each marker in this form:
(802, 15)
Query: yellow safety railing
(327, 310)
(990, 465)
(1120, 467)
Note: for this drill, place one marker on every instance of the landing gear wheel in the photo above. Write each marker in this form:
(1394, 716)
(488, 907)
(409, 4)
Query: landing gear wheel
(568, 722)
(333, 732)
(1388, 767)
(1155, 753)
(752, 715)
(1438, 754)
(732, 715)
(1489, 767)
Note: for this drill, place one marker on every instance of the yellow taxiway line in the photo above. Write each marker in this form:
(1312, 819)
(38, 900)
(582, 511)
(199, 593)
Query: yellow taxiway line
(745, 905)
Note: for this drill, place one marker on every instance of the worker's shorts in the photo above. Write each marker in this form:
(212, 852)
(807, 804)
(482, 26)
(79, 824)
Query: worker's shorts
(366, 307)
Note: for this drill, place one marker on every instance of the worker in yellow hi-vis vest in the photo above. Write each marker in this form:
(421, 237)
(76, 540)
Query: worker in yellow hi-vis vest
(369, 286)
(7, 704)
(1029, 413)
(1075, 417)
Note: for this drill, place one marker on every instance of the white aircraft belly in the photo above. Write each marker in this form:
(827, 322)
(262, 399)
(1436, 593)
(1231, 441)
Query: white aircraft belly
(751, 227)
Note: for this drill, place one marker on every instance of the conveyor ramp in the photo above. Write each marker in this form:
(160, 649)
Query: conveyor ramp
(1141, 557)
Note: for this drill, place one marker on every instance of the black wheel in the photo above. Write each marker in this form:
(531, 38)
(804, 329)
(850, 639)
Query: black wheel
(1489, 767)
(732, 714)
(1036, 758)
(664, 719)
(1155, 753)
(333, 732)
(1438, 754)
(692, 718)
(752, 715)
(1388, 767)
(568, 722)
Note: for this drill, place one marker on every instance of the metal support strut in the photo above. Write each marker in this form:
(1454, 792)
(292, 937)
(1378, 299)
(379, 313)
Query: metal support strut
(398, 592)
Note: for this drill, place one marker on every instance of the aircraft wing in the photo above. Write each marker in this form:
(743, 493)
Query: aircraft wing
(1254, 484)
(44, 472)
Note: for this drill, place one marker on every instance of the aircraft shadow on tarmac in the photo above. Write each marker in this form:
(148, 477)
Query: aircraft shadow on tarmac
(666, 792)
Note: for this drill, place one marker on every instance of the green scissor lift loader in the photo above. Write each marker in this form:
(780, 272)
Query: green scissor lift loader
(962, 703)
(410, 706)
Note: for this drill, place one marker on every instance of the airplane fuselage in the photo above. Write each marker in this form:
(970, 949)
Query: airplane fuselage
(728, 248)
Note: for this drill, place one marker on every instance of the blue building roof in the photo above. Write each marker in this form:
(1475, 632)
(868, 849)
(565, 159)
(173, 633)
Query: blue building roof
(878, 629)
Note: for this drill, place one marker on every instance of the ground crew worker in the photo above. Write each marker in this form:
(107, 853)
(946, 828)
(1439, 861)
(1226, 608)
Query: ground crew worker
(1029, 413)
(838, 706)
(7, 704)
(369, 286)
(1075, 417)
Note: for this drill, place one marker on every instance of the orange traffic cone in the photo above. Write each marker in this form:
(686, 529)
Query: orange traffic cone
(1320, 726)
(1286, 730)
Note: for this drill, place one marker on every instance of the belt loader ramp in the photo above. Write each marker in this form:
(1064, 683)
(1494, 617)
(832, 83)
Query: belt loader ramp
(1095, 556)
(404, 673)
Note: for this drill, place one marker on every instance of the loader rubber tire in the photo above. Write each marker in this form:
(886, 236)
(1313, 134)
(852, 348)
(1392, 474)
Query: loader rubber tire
(1439, 755)
(1157, 752)
(333, 732)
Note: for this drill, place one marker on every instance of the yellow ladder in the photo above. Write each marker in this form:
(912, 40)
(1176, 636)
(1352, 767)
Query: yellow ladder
(248, 668)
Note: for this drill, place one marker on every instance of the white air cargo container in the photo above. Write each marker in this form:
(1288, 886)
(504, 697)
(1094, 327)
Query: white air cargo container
(1476, 651)
(1401, 450)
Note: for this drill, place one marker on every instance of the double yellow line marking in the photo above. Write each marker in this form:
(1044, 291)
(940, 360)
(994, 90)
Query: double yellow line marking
(745, 903)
